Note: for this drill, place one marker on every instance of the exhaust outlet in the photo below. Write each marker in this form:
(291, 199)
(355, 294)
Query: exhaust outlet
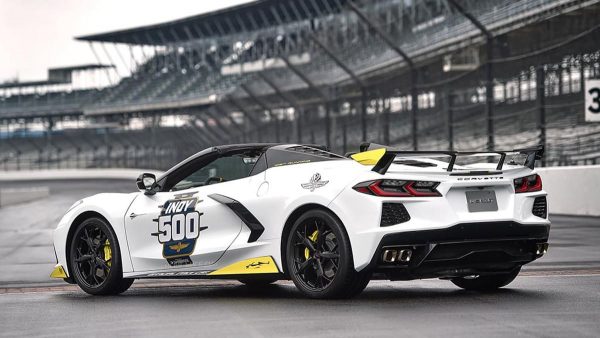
(397, 255)
(389, 256)
(541, 249)
(404, 255)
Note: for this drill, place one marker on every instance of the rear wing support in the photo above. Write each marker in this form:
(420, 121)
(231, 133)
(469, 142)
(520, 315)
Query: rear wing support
(387, 159)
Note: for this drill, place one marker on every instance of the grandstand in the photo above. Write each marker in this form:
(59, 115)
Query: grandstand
(416, 74)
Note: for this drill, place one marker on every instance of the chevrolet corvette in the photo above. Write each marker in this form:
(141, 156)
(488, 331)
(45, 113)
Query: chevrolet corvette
(259, 213)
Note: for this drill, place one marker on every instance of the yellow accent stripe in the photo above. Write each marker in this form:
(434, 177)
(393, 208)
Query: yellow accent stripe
(370, 157)
(257, 265)
(58, 272)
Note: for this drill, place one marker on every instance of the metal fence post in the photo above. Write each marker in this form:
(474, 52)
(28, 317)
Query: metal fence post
(540, 79)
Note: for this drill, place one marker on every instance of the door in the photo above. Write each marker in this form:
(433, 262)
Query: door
(184, 227)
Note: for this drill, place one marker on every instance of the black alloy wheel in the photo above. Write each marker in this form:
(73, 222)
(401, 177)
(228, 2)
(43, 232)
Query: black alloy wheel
(319, 258)
(316, 256)
(95, 262)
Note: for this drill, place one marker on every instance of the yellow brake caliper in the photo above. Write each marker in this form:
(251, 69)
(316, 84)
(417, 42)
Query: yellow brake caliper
(313, 239)
(107, 253)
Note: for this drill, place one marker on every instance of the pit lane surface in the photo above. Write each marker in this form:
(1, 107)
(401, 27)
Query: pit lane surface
(558, 295)
(557, 306)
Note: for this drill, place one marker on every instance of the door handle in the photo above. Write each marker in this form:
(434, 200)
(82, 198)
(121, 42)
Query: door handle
(134, 215)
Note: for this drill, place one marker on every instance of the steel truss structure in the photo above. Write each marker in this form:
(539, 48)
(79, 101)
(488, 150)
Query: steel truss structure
(418, 74)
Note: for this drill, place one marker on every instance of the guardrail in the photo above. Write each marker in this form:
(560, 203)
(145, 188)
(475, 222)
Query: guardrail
(74, 174)
(18, 195)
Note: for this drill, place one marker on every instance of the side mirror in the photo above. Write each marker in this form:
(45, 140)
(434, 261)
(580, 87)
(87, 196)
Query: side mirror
(146, 182)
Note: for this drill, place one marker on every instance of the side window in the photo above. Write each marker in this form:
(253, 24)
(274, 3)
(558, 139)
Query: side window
(260, 166)
(222, 169)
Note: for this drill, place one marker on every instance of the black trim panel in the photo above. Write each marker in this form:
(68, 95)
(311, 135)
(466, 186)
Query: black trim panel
(463, 249)
(470, 232)
(256, 228)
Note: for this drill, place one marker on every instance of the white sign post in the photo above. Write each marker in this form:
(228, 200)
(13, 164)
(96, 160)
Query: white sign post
(592, 100)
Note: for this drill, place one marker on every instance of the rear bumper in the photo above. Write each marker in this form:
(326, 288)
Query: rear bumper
(461, 250)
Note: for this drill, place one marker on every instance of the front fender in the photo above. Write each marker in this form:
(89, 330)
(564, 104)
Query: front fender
(112, 207)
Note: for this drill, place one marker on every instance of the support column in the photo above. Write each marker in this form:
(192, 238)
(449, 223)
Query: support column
(386, 123)
(396, 48)
(540, 79)
(363, 115)
(414, 109)
(264, 106)
(324, 98)
(489, 96)
(299, 125)
(345, 138)
(489, 74)
(450, 114)
(354, 78)
(328, 125)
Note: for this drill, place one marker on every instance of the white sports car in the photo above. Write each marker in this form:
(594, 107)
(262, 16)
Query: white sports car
(263, 212)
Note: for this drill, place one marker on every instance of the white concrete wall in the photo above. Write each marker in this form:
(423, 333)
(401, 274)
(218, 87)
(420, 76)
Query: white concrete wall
(572, 190)
(62, 174)
(12, 196)
(9, 196)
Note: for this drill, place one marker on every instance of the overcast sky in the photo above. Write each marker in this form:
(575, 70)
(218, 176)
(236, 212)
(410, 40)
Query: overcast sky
(38, 34)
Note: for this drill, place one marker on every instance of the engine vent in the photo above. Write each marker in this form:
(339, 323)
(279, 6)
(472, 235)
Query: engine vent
(540, 207)
(393, 213)
(313, 151)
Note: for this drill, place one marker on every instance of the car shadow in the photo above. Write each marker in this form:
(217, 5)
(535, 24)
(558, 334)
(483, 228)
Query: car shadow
(378, 293)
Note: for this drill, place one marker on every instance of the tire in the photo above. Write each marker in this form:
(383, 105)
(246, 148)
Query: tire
(486, 283)
(95, 259)
(319, 258)
(257, 283)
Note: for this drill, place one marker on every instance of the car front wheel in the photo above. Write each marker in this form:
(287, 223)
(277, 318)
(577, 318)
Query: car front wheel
(95, 260)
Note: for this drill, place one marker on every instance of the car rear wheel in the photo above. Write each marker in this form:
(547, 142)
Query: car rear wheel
(486, 283)
(95, 259)
(319, 257)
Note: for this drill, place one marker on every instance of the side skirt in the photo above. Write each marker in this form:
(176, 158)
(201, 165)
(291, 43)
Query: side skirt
(254, 268)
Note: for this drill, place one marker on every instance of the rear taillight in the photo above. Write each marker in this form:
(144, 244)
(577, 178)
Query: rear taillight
(528, 184)
(398, 188)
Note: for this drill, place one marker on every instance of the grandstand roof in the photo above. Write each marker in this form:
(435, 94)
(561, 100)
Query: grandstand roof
(237, 19)
(55, 76)
(89, 66)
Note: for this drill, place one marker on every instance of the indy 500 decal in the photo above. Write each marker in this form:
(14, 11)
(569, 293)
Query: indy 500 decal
(178, 229)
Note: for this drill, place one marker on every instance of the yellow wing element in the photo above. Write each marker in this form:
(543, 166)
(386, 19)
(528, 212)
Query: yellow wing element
(58, 272)
(370, 157)
(257, 265)
(179, 246)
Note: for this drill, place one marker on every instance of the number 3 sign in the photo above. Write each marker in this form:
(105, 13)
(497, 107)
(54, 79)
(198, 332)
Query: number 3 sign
(592, 100)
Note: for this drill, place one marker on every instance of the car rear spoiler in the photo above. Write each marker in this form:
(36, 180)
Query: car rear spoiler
(387, 158)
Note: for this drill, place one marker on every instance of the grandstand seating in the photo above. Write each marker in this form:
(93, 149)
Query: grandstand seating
(569, 139)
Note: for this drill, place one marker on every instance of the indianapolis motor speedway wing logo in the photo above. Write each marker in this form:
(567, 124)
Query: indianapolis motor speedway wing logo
(178, 229)
(314, 183)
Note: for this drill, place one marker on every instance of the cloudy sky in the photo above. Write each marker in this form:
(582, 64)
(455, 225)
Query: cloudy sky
(38, 34)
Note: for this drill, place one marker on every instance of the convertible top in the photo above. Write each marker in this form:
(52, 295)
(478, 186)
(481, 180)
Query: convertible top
(224, 150)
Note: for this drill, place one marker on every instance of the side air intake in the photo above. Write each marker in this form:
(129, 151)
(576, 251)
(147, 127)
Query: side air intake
(393, 213)
(540, 207)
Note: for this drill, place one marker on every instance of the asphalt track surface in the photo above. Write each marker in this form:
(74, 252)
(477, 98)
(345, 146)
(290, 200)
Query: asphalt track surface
(558, 295)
